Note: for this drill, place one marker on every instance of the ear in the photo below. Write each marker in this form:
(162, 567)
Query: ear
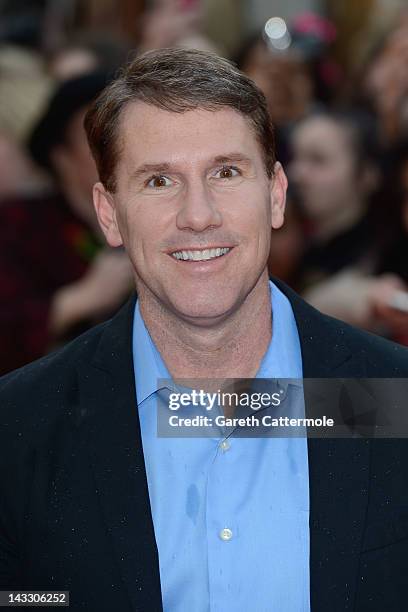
(279, 185)
(106, 213)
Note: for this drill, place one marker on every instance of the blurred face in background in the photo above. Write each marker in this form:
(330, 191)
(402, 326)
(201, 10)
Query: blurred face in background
(17, 172)
(72, 62)
(386, 82)
(324, 169)
(283, 78)
(76, 169)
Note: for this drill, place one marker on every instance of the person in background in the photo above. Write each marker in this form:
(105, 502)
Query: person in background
(391, 256)
(88, 51)
(288, 247)
(296, 79)
(56, 278)
(383, 82)
(174, 23)
(335, 171)
(25, 87)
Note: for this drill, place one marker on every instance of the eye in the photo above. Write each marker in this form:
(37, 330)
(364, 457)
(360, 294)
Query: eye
(158, 181)
(227, 172)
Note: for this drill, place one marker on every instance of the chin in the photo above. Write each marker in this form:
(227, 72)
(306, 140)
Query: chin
(203, 313)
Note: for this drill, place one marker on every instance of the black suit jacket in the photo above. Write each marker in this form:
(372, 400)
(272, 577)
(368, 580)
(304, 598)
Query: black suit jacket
(74, 506)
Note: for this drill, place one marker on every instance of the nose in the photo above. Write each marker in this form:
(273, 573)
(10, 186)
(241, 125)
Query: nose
(198, 211)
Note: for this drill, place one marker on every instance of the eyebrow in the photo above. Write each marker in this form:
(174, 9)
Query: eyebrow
(166, 167)
(232, 157)
(149, 169)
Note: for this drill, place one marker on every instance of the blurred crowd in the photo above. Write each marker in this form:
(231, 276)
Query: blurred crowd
(341, 135)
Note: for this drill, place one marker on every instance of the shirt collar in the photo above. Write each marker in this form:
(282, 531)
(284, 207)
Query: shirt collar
(150, 369)
(282, 359)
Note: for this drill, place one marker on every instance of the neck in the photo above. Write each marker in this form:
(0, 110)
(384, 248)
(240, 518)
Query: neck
(232, 348)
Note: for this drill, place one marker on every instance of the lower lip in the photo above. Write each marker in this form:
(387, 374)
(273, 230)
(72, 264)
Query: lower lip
(204, 265)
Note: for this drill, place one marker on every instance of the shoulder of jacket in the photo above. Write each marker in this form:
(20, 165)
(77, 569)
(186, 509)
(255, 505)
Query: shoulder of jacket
(383, 357)
(50, 374)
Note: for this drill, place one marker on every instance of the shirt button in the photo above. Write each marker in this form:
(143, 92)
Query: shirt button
(225, 534)
(225, 445)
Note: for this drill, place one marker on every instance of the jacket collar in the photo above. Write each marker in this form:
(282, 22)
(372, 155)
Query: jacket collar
(323, 346)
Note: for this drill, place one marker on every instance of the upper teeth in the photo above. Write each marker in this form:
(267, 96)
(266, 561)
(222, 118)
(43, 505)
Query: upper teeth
(200, 255)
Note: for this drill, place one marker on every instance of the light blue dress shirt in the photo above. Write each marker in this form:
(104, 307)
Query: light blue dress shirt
(230, 515)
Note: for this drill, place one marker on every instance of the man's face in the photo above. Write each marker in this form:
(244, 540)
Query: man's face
(193, 207)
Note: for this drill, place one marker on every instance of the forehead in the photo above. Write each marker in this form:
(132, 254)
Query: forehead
(147, 133)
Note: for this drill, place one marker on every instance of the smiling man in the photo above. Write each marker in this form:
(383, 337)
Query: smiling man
(98, 503)
(194, 203)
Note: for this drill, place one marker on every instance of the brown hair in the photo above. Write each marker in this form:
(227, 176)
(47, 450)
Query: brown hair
(175, 80)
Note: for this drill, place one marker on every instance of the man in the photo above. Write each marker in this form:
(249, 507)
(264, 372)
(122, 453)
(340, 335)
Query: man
(98, 504)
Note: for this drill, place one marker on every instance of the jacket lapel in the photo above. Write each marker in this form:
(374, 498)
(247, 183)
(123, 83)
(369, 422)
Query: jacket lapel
(116, 456)
(338, 470)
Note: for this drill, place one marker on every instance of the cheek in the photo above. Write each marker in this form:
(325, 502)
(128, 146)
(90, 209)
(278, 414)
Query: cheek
(142, 229)
(254, 228)
(136, 234)
(252, 215)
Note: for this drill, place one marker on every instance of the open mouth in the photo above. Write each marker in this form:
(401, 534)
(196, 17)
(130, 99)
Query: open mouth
(203, 255)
